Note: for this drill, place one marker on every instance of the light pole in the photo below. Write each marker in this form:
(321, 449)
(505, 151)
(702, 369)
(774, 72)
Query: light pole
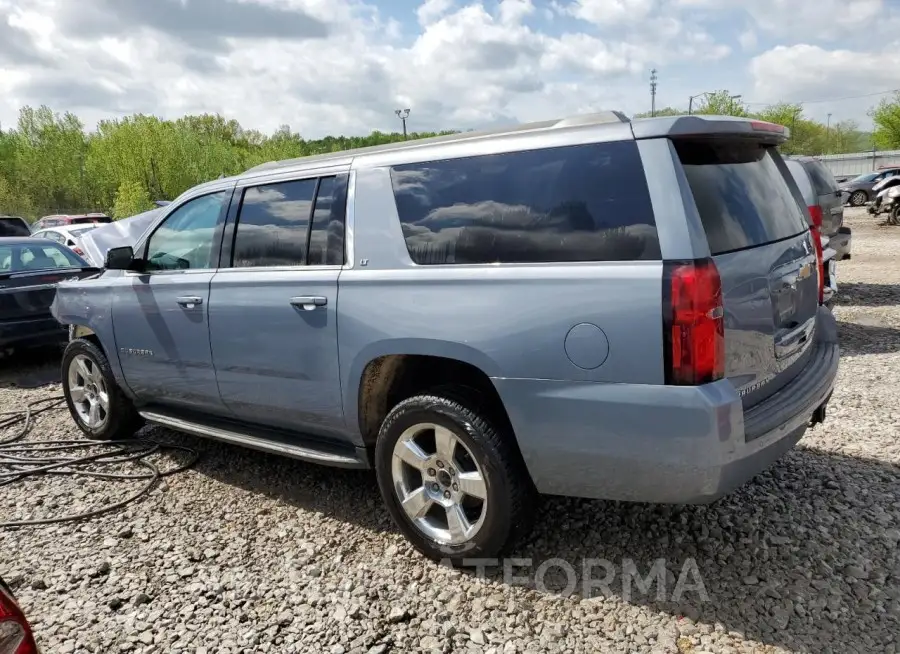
(403, 114)
(706, 93)
(828, 135)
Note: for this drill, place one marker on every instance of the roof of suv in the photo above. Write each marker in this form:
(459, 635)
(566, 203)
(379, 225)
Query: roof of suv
(641, 128)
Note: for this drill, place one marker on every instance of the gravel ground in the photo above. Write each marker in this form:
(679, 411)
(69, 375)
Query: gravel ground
(251, 553)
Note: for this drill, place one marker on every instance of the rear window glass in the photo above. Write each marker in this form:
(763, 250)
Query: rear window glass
(822, 178)
(741, 196)
(574, 203)
(13, 227)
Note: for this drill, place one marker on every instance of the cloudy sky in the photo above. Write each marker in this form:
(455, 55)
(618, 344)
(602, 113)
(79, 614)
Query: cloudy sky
(343, 66)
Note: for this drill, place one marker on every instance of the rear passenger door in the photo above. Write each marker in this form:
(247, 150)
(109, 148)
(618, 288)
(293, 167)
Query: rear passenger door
(273, 304)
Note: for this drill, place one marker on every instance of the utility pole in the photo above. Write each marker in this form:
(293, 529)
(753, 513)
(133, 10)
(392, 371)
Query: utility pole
(403, 114)
(828, 135)
(653, 92)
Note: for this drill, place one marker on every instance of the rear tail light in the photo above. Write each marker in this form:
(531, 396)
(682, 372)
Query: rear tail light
(15, 633)
(77, 250)
(763, 126)
(693, 323)
(816, 213)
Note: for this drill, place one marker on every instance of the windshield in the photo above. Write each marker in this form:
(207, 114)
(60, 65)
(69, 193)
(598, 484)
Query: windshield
(868, 177)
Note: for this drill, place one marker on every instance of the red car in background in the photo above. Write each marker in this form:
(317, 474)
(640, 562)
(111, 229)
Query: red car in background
(15, 632)
(61, 220)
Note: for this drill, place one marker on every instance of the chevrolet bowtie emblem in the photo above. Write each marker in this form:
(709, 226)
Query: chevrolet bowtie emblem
(805, 271)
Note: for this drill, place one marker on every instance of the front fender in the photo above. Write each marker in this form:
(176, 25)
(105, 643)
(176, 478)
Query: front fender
(86, 306)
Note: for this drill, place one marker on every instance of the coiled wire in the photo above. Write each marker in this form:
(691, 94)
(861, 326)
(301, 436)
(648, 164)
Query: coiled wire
(21, 459)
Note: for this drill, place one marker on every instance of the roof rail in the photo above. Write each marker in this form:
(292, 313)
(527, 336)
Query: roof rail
(593, 119)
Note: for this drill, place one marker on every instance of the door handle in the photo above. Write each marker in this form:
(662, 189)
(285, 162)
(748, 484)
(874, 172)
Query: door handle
(309, 302)
(189, 302)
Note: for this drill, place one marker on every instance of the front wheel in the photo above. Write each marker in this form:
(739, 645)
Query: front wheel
(453, 482)
(97, 404)
(858, 198)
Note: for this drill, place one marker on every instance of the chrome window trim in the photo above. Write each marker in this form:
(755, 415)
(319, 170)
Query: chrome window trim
(350, 223)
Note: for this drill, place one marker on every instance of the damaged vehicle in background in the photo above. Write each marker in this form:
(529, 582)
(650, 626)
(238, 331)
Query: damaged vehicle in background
(880, 191)
(98, 241)
(890, 204)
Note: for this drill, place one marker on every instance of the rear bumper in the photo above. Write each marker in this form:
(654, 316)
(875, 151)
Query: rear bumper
(34, 331)
(664, 444)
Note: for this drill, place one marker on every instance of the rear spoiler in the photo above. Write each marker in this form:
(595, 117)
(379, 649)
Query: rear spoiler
(681, 126)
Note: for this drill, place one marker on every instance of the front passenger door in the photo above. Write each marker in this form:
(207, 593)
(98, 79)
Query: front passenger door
(160, 317)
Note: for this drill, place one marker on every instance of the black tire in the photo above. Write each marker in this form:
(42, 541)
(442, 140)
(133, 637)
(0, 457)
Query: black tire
(122, 419)
(894, 218)
(858, 198)
(511, 500)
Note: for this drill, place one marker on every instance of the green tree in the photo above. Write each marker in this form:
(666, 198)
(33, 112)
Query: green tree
(886, 116)
(131, 198)
(721, 103)
(665, 111)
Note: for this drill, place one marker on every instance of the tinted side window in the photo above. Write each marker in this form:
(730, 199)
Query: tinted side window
(821, 177)
(574, 203)
(272, 224)
(186, 237)
(741, 196)
(326, 236)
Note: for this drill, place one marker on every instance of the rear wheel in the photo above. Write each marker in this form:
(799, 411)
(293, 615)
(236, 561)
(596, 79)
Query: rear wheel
(452, 481)
(858, 198)
(97, 404)
(894, 218)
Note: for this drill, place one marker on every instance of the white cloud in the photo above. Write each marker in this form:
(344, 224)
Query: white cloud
(747, 39)
(611, 12)
(431, 10)
(815, 20)
(343, 66)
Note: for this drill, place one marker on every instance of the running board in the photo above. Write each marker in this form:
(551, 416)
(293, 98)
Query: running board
(276, 444)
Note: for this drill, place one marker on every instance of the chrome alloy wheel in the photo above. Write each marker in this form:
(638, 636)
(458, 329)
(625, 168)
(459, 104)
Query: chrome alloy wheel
(440, 486)
(88, 392)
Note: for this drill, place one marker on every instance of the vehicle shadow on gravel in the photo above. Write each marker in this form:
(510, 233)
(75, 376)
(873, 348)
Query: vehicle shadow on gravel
(857, 338)
(805, 556)
(30, 368)
(867, 295)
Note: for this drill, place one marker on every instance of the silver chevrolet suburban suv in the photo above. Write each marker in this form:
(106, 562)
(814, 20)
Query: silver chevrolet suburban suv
(592, 306)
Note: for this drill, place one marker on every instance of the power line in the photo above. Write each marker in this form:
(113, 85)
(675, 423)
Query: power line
(848, 97)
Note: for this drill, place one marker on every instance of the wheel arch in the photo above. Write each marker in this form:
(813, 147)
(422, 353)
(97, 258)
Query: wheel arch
(385, 374)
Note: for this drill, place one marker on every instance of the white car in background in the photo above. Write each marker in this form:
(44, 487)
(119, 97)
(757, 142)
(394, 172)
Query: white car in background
(69, 235)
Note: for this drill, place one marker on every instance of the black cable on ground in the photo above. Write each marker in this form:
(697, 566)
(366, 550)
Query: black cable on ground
(21, 460)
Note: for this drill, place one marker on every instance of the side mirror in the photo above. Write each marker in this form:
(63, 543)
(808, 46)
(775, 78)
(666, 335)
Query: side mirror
(120, 259)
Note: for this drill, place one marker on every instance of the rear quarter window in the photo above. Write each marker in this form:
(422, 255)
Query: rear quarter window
(822, 178)
(741, 196)
(574, 203)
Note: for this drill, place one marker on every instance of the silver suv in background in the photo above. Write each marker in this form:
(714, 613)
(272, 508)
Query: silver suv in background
(590, 306)
(822, 199)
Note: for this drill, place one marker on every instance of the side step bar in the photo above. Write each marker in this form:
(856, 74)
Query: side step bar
(282, 446)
